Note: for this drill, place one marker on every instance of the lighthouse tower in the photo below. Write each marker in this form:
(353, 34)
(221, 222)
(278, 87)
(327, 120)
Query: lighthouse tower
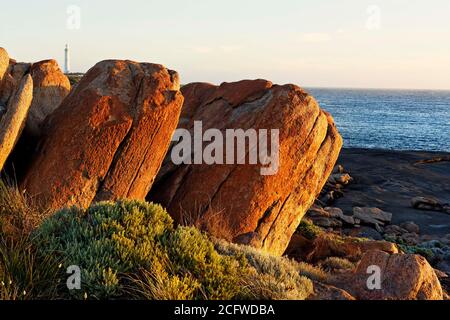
(66, 59)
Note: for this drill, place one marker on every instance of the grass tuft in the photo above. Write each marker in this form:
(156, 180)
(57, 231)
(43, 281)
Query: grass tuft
(23, 273)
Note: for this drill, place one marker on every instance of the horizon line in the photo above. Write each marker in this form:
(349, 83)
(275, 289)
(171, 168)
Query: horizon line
(307, 86)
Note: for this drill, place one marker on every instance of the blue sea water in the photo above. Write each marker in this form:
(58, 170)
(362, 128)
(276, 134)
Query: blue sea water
(389, 119)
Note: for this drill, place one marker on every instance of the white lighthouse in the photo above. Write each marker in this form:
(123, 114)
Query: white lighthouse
(66, 59)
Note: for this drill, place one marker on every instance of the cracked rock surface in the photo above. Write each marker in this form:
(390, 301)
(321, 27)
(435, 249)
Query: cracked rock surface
(108, 138)
(236, 202)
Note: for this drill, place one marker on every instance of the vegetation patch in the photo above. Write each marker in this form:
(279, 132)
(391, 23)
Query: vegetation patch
(309, 230)
(427, 253)
(131, 250)
(23, 274)
(333, 264)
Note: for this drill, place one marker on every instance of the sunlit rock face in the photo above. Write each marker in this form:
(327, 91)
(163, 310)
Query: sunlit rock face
(108, 138)
(16, 93)
(236, 201)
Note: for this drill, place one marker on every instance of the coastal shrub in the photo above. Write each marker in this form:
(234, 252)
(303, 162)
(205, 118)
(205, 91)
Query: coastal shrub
(427, 253)
(266, 263)
(267, 287)
(130, 249)
(163, 285)
(192, 251)
(194, 270)
(309, 230)
(424, 252)
(273, 277)
(337, 264)
(106, 241)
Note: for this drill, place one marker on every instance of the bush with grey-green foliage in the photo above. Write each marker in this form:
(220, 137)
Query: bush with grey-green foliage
(309, 230)
(130, 249)
(105, 241)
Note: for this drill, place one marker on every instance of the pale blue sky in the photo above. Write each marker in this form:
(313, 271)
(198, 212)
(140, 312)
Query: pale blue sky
(310, 43)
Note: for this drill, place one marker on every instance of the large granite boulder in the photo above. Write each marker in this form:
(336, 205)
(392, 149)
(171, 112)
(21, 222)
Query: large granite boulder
(4, 63)
(15, 100)
(14, 118)
(11, 80)
(402, 277)
(51, 86)
(250, 203)
(108, 138)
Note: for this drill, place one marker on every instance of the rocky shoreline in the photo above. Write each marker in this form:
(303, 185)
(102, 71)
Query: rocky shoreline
(392, 181)
(396, 196)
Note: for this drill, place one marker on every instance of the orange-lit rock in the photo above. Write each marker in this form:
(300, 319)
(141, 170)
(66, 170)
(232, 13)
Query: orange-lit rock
(4, 63)
(236, 202)
(12, 122)
(51, 86)
(403, 277)
(108, 138)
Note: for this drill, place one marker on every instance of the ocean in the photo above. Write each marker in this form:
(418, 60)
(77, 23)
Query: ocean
(389, 119)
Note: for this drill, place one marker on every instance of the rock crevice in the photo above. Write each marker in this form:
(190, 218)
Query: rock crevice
(116, 126)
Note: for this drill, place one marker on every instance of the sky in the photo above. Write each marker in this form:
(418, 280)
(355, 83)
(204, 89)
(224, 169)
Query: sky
(314, 43)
